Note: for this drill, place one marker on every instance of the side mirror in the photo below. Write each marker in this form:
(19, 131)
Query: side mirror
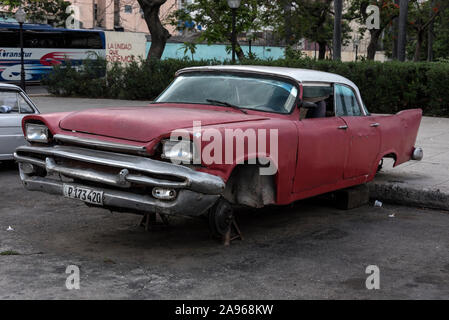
(309, 105)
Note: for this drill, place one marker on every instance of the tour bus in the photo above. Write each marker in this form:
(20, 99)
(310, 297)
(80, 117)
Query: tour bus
(45, 46)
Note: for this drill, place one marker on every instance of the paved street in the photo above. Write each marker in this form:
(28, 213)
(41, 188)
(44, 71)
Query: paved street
(308, 250)
(303, 251)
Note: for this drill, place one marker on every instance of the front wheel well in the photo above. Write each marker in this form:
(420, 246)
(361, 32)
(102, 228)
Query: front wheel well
(246, 186)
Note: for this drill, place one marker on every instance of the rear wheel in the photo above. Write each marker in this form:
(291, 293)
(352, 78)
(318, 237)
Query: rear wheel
(220, 218)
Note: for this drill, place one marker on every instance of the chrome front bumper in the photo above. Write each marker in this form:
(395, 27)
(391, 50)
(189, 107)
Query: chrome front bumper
(118, 175)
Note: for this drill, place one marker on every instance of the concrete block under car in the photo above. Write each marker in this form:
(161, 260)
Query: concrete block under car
(353, 197)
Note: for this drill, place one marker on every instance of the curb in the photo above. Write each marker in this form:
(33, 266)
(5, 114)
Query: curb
(34, 95)
(409, 196)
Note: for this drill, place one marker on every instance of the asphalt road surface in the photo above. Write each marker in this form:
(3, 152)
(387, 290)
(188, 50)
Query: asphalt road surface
(307, 250)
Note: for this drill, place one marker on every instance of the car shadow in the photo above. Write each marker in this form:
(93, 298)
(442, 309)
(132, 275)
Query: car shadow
(8, 165)
(186, 237)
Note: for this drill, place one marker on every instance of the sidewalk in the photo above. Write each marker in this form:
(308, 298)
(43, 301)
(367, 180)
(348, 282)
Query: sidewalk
(419, 183)
(36, 91)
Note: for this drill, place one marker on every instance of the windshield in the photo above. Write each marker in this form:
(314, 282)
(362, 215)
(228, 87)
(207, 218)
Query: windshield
(245, 92)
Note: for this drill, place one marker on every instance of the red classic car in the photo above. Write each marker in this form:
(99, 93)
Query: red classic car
(218, 136)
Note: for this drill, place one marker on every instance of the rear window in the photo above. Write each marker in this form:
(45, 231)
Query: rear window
(311, 92)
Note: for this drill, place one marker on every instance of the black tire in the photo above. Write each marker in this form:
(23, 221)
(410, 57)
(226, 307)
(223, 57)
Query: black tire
(220, 218)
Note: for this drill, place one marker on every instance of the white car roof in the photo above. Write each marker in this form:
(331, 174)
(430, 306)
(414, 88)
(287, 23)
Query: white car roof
(300, 75)
(10, 86)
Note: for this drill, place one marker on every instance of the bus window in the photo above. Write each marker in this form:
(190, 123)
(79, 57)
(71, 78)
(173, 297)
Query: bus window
(9, 38)
(83, 40)
(94, 41)
(66, 39)
(39, 39)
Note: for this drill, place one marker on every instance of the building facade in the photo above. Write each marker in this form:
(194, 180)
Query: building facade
(123, 15)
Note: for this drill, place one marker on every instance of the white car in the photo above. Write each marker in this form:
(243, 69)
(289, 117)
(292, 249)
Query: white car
(14, 105)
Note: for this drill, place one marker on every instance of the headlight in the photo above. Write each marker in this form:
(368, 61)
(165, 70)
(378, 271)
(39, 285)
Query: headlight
(36, 133)
(178, 150)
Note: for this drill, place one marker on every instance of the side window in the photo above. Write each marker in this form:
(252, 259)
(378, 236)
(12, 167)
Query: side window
(322, 95)
(8, 102)
(346, 102)
(24, 106)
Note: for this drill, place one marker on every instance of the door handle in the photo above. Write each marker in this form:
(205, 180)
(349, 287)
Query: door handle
(376, 124)
(343, 127)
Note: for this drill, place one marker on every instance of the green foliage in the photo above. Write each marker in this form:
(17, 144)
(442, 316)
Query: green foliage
(315, 20)
(38, 11)
(357, 11)
(386, 87)
(420, 16)
(139, 80)
(78, 80)
(291, 53)
(9, 253)
(189, 47)
(216, 19)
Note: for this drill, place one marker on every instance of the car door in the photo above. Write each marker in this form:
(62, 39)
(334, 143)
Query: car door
(11, 134)
(322, 151)
(363, 132)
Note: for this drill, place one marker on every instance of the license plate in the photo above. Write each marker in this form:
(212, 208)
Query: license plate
(83, 194)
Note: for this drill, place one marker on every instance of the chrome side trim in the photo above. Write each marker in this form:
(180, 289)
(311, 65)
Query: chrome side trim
(99, 144)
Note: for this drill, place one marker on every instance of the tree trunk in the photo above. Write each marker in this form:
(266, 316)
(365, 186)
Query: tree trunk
(239, 51)
(159, 35)
(372, 46)
(338, 8)
(288, 22)
(419, 42)
(402, 37)
(395, 35)
(322, 50)
(430, 36)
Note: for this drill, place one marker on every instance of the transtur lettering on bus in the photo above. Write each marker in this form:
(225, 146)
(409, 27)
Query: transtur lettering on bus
(7, 54)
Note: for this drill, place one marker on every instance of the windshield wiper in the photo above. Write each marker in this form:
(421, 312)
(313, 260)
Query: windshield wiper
(226, 104)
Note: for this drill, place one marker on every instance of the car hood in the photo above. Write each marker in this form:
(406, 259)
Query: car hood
(144, 124)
